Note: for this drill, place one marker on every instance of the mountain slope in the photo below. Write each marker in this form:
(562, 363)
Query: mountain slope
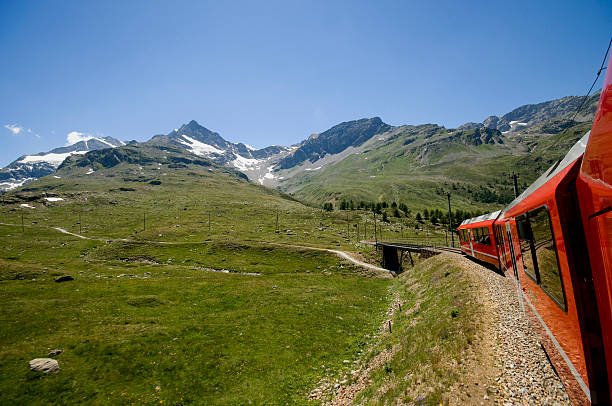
(420, 164)
(29, 167)
(531, 114)
(334, 140)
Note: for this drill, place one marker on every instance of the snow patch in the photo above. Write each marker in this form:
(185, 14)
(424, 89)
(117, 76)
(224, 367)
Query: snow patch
(268, 175)
(105, 142)
(27, 206)
(53, 159)
(89, 171)
(57, 177)
(243, 163)
(14, 184)
(313, 169)
(199, 148)
(53, 199)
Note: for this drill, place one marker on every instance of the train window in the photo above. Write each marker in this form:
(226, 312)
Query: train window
(539, 252)
(525, 242)
(546, 253)
(482, 236)
(486, 236)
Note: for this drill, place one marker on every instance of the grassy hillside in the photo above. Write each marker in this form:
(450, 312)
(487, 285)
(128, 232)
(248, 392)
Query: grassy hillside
(419, 165)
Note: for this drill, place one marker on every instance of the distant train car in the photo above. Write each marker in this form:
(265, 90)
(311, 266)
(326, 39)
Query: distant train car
(478, 239)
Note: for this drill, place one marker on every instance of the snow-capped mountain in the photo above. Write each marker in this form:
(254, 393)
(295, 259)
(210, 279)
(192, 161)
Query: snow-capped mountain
(29, 167)
(257, 164)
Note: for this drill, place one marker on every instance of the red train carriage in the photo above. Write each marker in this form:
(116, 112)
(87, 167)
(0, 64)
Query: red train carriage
(478, 240)
(542, 244)
(555, 239)
(594, 187)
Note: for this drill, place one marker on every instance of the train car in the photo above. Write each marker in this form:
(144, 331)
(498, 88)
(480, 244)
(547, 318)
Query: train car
(544, 244)
(555, 240)
(478, 240)
(594, 189)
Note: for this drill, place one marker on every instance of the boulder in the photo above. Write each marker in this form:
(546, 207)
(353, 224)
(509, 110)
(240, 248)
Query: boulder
(64, 278)
(45, 365)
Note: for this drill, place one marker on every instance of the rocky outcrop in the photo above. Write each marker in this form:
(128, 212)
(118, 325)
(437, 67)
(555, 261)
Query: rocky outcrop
(335, 140)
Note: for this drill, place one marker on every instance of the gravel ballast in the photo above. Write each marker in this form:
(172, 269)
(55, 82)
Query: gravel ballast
(527, 376)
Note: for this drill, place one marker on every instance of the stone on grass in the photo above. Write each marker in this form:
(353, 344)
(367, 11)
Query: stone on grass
(55, 352)
(64, 278)
(45, 365)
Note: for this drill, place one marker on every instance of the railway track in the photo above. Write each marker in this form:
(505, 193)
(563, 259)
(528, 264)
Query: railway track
(418, 246)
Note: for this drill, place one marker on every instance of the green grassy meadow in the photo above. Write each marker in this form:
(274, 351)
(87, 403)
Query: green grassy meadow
(148, 320)
(189, 291)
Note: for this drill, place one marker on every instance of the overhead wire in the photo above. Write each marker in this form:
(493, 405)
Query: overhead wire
(601, 69)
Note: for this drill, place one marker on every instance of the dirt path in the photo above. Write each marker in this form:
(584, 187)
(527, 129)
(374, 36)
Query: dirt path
(344, 255)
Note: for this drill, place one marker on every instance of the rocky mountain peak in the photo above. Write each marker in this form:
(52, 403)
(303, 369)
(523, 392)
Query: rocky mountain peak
(335, 140)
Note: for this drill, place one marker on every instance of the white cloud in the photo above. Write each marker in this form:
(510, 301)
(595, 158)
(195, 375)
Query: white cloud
(75, 136)
(14, 128)
(20, 130)
(33, 133)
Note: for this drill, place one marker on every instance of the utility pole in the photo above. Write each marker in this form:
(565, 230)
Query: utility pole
(348, 228)
(515, 181)
(277, 230)
(375, 235)
(450, 222)
(80, 229)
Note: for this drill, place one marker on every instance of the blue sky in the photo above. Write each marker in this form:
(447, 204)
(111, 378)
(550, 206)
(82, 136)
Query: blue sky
(274, 72)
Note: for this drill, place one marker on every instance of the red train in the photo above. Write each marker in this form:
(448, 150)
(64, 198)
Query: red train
(555, 241)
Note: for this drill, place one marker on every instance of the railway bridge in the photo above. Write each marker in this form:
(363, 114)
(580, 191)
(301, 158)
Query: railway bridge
(393, 253)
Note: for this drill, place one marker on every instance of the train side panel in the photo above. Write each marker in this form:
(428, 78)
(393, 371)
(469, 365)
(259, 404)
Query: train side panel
(595, 199)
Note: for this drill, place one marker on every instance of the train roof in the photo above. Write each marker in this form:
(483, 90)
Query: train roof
(484, 217)
(574, 153)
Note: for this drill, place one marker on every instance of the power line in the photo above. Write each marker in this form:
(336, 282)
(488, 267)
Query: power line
(601, 69)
